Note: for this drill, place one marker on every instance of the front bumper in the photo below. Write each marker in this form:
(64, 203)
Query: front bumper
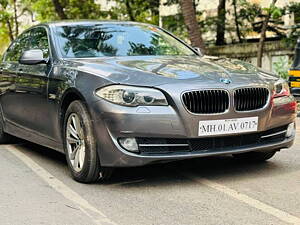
(113, 121)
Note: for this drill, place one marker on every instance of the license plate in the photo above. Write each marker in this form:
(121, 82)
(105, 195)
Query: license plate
(227, 126)
(295, 84)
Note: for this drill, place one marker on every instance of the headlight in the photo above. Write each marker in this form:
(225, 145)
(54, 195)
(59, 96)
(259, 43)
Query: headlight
(132, 96)
(281, 88)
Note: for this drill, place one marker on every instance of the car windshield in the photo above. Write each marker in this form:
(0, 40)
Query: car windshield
(98, 40)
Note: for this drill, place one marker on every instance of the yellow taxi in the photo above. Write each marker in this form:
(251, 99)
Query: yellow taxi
(294, 73)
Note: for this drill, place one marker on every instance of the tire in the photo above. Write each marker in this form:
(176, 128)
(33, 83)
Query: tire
(255, 156)
(80, 145)
(4, 137)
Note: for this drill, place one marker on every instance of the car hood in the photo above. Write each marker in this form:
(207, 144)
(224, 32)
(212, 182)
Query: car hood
(161, 70)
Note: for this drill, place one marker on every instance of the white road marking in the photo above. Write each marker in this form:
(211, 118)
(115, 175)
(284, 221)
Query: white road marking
(282, 215)
(95, 214)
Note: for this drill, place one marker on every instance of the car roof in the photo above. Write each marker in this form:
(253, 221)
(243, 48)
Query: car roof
(88, 22)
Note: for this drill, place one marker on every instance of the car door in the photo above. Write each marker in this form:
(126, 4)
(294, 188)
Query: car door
(31, 87)
(8, 75)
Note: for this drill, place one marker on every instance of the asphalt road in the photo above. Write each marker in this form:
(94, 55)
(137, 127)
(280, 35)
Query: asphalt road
(35, 188)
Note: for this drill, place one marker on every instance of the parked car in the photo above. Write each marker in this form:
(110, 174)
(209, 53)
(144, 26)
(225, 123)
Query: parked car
(294, 73)
(125, 94)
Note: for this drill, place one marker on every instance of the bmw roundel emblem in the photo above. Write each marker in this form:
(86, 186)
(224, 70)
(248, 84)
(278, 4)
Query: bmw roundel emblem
(225, 80)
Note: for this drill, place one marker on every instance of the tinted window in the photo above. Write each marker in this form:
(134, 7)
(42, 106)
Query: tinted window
(39, 40)
(117, 40)
(18, 47)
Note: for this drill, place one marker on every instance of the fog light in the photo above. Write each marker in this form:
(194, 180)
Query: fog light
(291, 130)
(129, 144)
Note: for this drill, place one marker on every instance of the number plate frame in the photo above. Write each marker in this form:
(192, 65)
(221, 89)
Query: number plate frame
(227, 126)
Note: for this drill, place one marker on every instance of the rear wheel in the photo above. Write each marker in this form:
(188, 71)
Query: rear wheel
(80, 145)
(255, 156)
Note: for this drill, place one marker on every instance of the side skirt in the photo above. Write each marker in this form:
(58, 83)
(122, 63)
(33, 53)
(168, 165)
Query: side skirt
(29, 135)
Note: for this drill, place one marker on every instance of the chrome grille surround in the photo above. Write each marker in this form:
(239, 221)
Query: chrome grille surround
(250, 98)
(210, 101)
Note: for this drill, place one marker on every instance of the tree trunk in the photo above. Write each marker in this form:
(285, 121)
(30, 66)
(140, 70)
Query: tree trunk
(190, 20)
(263, 36)
(237, 26)
(59, 10)
(16, 18)
(10, 30)
(221, 23)
(129, 10)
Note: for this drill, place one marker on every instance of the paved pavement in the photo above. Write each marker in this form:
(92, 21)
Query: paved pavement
(35, 188)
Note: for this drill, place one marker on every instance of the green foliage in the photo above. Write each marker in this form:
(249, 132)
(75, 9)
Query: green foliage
(175, 24)
(8, 28)
(281, 67)
(294, 32)
(248, 11)
(247, 14)
(274, 11)
(250, 16)
(74, 9)
(44, 10)
(293, 7)
(137, 10)
(84, 9)
(4, 40)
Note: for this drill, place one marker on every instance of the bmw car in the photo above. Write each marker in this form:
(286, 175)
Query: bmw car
(113, 94)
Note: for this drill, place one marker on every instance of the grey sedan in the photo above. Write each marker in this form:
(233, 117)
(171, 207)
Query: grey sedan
(124, 94)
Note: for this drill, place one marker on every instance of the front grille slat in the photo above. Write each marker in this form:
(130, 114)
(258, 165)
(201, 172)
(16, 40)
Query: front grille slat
(192, 101)
(206, 101)
(247, 99)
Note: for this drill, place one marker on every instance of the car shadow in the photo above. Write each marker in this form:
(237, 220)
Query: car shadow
(221, 167)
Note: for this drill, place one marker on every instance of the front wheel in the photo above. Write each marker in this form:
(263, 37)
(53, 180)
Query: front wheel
(80, 145)
(255, 156)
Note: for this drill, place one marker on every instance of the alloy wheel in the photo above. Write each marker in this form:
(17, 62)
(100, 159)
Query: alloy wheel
(75, 142)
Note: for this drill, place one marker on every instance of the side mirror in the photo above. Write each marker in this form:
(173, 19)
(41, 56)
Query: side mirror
(32, 57)
(198, 50)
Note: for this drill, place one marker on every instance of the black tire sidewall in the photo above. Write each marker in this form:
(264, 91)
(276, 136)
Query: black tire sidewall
(91, 166)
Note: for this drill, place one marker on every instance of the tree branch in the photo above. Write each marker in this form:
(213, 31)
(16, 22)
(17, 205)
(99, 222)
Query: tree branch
(16, 18)
(10, 31)
(237, 27)
(263, 35)
(59, 10)
(220, 40)
(129, 10)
